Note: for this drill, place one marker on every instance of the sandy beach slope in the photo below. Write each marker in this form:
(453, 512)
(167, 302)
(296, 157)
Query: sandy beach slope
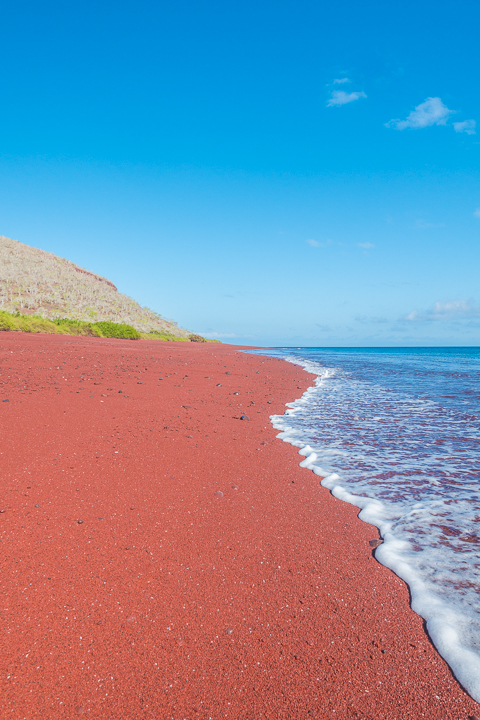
(163, 558)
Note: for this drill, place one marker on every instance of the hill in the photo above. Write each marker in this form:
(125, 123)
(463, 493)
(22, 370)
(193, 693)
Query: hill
(35, 282)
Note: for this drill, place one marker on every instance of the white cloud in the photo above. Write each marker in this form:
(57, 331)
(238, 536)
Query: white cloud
(477, 213)
(431, 112)
(340, 97)
(455, 310)
(422, 224)
(223, 335)
(340, 81)
(367, 320)
(467, 126)
(366, 245)
(313, 243)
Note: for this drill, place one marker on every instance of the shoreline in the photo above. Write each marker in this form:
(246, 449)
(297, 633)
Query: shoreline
(210, 576)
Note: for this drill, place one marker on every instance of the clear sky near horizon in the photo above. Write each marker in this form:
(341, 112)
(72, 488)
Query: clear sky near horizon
(281, 173)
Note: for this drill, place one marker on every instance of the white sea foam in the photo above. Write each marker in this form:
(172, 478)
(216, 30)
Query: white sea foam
(398, 438)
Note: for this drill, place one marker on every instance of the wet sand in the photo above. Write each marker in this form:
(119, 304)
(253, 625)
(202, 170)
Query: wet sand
(163, 558)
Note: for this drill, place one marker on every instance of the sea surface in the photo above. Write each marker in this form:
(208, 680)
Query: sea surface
(397, 433)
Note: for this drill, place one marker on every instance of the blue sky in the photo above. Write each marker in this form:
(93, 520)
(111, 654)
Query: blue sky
(287, 173)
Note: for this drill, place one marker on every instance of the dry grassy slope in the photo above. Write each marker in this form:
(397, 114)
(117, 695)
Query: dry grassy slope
(35, 282)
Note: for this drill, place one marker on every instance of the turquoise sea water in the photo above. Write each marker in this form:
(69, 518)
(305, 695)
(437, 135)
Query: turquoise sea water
(396, 432)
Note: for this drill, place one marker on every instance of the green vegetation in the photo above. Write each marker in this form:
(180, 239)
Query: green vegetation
(65, 326)
(117, 330)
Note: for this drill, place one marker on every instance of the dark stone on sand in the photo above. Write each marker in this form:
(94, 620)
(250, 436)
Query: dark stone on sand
(79, 522)
(375, 543)
(6, 400)
(244, 417)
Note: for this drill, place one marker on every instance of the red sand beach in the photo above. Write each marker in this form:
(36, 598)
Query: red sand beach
(162, 558)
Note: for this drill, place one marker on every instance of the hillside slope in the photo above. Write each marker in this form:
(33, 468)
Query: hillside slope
(35, 282)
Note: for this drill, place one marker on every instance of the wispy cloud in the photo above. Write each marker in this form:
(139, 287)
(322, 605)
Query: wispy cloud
(340, 81)
(431, 112)
(366, 245)
(326, 243)
(340, 97)
(323, 328)
(223, 335)
(365, 320)
(455, 310)
(422, 224)
(466, 126)
(477, 213)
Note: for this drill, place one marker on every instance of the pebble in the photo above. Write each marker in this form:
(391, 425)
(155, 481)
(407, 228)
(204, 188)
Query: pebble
(218, 494)
(79, 522)
(244, 417)
(375, 543)
(6, 400)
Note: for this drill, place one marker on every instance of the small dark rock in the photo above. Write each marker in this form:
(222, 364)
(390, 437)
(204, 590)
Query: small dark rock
(80, 522)
(6, 400)
(375, 543)
(219, 385)
(120, 391)
(244, 417)
(37, 505)
(228, 631)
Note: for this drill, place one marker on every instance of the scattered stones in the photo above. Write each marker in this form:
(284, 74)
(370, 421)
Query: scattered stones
(375, 543)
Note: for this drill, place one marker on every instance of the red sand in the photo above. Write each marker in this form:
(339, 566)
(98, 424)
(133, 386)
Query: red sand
(169, 600)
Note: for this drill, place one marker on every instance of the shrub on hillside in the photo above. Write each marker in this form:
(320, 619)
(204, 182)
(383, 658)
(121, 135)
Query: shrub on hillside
(117, 330)
(196, 338)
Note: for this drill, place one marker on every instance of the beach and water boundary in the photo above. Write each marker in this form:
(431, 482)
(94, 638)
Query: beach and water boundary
(163, 557)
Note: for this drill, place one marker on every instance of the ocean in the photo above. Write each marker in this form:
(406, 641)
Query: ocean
(396, 432)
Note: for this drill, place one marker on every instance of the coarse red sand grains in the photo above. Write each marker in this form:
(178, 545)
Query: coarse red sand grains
(162, 558)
